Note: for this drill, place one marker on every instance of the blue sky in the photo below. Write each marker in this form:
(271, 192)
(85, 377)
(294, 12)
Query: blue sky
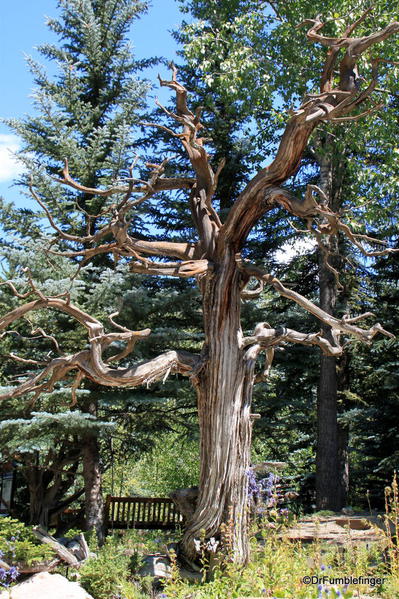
(23, 27)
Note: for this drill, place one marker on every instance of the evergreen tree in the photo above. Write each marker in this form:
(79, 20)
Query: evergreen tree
(372, 414)
(85, 113)
(46, 448)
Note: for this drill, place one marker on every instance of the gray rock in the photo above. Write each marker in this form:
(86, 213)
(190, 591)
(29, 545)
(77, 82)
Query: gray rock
(46, 585)
(156, 565)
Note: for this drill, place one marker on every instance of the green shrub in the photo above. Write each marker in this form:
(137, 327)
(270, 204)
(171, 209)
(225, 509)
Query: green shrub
(109, 574)
(277, 569)
(18, 544)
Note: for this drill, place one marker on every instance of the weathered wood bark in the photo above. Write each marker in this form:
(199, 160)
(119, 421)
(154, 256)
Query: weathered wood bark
(48, 485)
(93, 493)
(38, 507)
(224, 390)
(60, 549)
(185, 500)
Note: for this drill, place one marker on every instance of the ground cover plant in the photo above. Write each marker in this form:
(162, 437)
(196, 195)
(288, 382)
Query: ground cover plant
(277, 568)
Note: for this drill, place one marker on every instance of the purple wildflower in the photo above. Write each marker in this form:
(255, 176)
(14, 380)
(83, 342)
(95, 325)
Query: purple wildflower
(13, 573)
(253, 487)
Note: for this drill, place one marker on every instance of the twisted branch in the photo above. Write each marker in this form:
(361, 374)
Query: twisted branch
(90, 363)
(260, 194)
(205, 217)
(345, 325)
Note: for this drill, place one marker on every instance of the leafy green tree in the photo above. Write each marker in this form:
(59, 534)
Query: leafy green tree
(46, 447)
(344, 166)
(172, 463)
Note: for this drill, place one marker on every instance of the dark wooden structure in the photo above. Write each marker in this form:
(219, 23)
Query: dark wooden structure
(141, 513)
(7, 488)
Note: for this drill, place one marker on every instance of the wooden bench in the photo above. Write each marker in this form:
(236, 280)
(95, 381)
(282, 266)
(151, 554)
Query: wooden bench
(142, 513)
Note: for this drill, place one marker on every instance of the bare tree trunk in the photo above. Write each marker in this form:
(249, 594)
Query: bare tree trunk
(48, 488)
(332, 466)
(42, 495)
(327, 471)
(93, 493)
(224, 390)
(343, 374)
(327, 474)
(38, 511)
(332, 462)
(94, 504)
(343, 464)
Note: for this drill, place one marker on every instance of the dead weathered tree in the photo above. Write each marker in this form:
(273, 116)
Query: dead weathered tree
(228, 366)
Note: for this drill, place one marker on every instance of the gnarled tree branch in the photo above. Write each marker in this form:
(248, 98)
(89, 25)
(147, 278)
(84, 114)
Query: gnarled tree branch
(122, 241)
(90, 363)
(259, 195)
(155, 184)
(338, 326)
(205, 217)
(266, 337)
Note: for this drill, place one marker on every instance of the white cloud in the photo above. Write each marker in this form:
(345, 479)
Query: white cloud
(9, 167)
(298, 247)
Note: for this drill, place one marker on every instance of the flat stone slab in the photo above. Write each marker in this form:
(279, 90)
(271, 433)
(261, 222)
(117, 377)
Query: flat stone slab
(337, 530)
(43, 585)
